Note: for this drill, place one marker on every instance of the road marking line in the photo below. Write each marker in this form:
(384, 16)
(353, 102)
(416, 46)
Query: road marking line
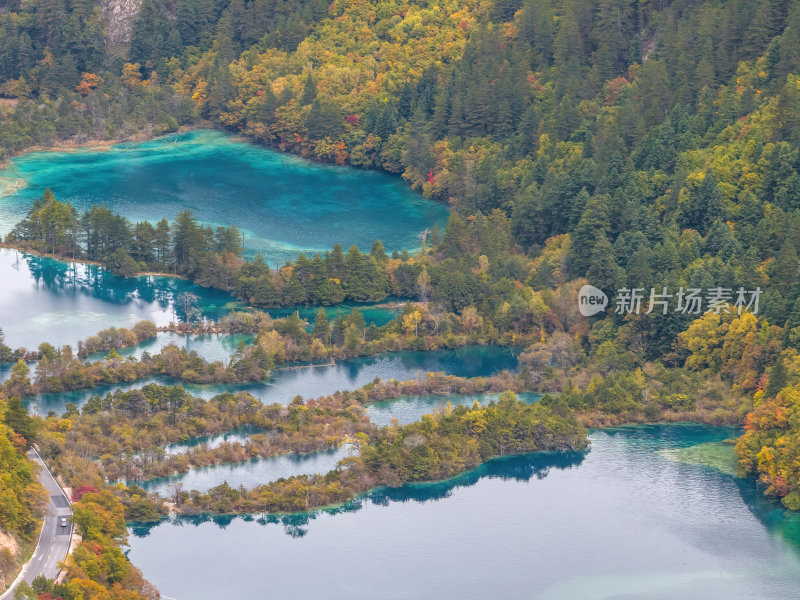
(52, 511)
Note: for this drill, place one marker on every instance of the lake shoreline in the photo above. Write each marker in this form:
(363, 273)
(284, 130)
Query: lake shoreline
(102, 145)
(139, 138)
(85, 261)
(391, 305)
(525, 502)
(334, 506)
(357, 497)
(590, 430)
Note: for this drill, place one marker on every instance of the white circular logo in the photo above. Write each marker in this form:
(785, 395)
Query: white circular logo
(591, 300)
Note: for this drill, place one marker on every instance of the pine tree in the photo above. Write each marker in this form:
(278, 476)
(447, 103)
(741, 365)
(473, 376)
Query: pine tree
(704, 206)
(161, 241)
(593, 225)
(378, 252)
(778, 378)
(602, 271)
(309, 90)
(322, 327)
(17, 419)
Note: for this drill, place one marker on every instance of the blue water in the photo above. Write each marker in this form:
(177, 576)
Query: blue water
(46, 300)
(284, 205)
(316, 381)
(257, 471)
(411, 408)
(251, 473)
(240, 434)
(377, 314)
(5, 370)
(619, 522)
(211, 347)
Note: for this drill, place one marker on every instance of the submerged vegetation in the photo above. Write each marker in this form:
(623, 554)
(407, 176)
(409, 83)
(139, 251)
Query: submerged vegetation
(128, 431)
(160, 415)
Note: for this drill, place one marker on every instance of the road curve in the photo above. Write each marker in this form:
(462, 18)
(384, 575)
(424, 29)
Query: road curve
(54, 539)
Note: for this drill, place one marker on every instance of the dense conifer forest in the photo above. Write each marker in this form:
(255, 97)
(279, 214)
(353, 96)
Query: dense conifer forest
(624, 143)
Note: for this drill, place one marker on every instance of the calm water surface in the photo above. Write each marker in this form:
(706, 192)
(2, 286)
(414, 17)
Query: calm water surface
(211, 347)
(251, 473)
(649, 512)
(377, 314)
(622, 521)
(240, 434)
(411, 408)
(47, 300)
(312, 382)
(260, 470)
(284, 205)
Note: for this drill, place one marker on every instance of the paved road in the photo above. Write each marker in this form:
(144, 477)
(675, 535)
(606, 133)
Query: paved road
(54, 539)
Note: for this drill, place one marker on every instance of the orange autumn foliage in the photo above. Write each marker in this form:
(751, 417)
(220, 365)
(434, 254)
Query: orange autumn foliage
(89, 82)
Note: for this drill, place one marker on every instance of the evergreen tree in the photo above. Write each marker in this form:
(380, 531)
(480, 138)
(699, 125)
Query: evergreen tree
(321, 329)
(309, 90)
(324, 119)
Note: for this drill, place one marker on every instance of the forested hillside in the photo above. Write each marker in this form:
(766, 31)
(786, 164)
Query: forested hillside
(21, 496)
(634, 143)
(98, 569)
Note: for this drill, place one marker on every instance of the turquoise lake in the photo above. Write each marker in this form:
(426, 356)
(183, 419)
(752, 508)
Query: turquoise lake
(211, 347)
(647, 513)
(621, 521)
(321, 380)
(284, 205)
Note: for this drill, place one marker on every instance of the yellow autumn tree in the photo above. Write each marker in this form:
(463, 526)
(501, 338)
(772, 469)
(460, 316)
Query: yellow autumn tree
(131, 74)
(411, 322)
(703, 340)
